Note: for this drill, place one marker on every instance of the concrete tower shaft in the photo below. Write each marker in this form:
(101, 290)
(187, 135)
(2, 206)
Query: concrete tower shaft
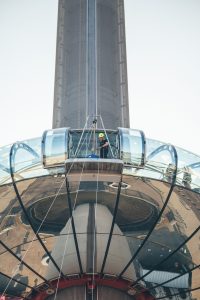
(91, 70)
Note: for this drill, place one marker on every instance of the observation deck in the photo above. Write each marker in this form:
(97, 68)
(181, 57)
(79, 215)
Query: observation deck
(70, 218)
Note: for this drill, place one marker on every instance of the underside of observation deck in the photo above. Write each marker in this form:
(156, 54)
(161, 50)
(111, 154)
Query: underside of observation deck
(90, 228)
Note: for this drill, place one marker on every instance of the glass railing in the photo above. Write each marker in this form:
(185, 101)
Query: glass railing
(55, 147)
(132, 146)
(86, 144)
(31, 156)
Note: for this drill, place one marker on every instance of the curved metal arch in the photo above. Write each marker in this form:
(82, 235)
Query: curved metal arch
(159, 215)
(21, 145)
(112, 225)
(21, 261)
(170, 255)
(167, 147)
(43, 146)
(143, 160)
(26, 214)
(73, 225)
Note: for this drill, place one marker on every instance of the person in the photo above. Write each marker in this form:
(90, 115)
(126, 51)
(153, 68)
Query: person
(103, 143)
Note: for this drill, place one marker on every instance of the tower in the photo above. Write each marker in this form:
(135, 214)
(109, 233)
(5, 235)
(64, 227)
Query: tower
(75, 225)
(91, 71)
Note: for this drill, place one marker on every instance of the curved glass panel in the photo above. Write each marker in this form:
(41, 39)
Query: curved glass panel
(84, 144)
(132, 146)
(93, 202)
(4, 164)
(188, 174)
(160, 163)
(55, 147)
(159, 167)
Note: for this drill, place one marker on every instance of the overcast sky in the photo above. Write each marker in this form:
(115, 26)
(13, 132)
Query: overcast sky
(163, 51)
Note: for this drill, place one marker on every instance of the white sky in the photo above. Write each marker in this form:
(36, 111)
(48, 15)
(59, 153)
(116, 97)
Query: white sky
(163, 49)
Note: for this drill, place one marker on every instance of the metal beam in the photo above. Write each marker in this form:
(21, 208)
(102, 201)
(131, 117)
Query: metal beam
(170, 255)
(22, 262)
(159, 215)
(24, 210)
(112, 225)
(73, 225)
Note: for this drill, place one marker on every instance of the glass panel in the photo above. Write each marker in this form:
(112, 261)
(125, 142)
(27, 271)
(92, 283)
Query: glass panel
(54, 145)
(160, 163)
(35, 144)
(4, 164)
(86, 144)
(24, 157)
(188, 174)
(132, 146)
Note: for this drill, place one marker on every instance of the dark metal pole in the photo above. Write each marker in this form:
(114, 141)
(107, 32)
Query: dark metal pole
(25, 212)
(159, 216)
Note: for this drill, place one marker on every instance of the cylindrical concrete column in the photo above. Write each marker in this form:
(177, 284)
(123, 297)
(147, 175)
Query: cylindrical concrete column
(91, 72)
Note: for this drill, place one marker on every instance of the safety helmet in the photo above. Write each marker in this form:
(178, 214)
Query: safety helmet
(101, 134)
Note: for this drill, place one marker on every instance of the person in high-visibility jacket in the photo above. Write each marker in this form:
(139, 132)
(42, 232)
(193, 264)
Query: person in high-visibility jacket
(104, 145)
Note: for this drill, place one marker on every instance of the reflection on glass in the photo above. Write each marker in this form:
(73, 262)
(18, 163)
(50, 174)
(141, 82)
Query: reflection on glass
(132, 146)
(55, 147)
(86, 144)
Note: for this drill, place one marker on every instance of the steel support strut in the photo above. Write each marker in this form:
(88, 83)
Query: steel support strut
(73, 225)
(170, 255)
(25, 212)
(159, 216)
(112, 225)
(21, 261)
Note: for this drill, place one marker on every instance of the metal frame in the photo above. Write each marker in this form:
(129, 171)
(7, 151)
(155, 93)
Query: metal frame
(167, 281)
(143, 161)
(24, 210)
(73, 225)
(43, 145)
(3, 168)
(170, 255)
(20, 145)
(160, 149)
(21, 261)
(143, 139)
(194, 165)
(15, 280)
(177, 294)
(159, 216)
(112, 225)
